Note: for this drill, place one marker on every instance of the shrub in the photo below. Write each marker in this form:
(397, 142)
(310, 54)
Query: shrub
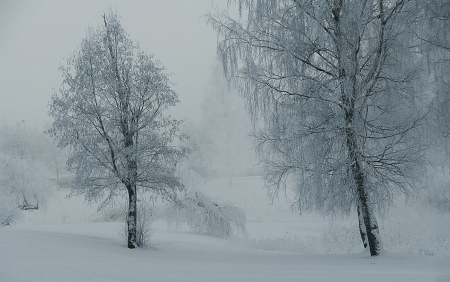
(144, 221)
(206, 216)
(437, 195)
(114, 213)
(408, 230)
(9, 213)
(24, 185)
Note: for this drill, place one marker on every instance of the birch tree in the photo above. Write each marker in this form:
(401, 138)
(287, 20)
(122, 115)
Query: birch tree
(332, 82)
(110, 113)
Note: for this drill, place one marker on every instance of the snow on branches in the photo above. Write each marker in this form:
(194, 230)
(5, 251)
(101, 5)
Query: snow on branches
(111, 113)
(206, 216)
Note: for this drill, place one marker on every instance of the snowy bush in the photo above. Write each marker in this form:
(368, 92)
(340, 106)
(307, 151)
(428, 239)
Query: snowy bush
(409, 230)
(337, 239)
(24, 185)
(340, 238)
(206, 216)
(417, 230)
(287, 243)
(144, 221)
(437, 194)
(9, 213)
(113, 213)
(189, 177)
(118, 211)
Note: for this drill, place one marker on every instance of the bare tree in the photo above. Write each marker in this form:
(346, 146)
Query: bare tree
(226, 122)
(333, 82)
(220, 142)
(200, 146)
(110, 113)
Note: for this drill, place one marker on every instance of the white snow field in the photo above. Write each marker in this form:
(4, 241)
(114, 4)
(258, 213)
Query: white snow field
(68, 243)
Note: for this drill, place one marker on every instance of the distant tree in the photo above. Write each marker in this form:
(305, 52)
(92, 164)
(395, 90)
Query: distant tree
(31, 144)
(57, 157)
(200, 146)
(220, 142)
(21, 141)
(110, 113)
(24, 185)
(434, 35)
(434, 28)
(225, 120)
(227, 124)
(333, 81)
(435, 43)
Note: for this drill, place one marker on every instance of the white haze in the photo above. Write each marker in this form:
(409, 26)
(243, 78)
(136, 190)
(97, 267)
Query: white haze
(68, 240)
(38, 36)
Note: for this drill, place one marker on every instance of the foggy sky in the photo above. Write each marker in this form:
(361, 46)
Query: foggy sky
(38, 36)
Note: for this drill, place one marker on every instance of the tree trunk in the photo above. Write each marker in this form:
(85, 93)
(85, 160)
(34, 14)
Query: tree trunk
(347, 66)
(132, 198)
(365, 209)
(362, 227)
(131, 218)
(370, 222)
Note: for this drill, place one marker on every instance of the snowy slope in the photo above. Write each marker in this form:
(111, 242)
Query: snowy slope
(28, 255)
(64, 244)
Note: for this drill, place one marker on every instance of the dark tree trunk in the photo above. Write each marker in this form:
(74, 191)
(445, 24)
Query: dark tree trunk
(362, 226)
(348, 70)
(25, 206)
(131, 218)
(364, 205)
(132, 199)
(370, 222)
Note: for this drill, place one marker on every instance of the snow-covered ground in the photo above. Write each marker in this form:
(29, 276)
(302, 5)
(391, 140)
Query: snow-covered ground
(68, 243)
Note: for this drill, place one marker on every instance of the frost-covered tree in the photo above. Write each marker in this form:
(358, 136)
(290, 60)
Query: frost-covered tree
(225, 121)
(32, 144)
(110, 113)
(220, 143)
(24, 185)
(435, 38)
(22, 141)
(200, 146)
(332, 82)
(434, 28)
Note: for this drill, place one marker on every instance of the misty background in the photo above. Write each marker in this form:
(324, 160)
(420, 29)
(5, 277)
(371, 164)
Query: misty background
(38, 37)
(216, 206)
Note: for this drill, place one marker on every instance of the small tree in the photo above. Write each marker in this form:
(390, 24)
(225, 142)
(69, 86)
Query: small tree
(333, 82)
(109, 112)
